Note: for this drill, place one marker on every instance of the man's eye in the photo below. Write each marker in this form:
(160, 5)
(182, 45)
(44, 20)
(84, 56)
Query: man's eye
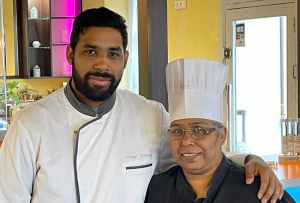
(113, 54)
(90, 52)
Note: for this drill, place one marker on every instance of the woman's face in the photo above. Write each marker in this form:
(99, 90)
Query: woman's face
(197, 156)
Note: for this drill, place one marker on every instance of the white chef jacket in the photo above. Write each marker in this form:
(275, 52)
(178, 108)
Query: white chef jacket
(115, 156)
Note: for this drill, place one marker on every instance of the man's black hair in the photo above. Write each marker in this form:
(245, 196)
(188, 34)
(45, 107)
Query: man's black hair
(98, 17)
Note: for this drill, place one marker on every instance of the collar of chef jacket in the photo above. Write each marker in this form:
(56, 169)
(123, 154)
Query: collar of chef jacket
(82, 108)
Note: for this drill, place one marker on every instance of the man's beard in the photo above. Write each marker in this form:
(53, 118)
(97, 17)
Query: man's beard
(93, 92)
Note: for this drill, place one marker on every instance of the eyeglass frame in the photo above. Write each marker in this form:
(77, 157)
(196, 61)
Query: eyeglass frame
(208, 131)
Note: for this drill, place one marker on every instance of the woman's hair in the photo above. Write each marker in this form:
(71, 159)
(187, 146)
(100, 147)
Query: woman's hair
(98, 17)
(219, 126)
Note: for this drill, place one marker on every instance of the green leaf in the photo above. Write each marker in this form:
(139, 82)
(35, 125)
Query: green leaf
(9, 93)
(15, 97)
(13, 85)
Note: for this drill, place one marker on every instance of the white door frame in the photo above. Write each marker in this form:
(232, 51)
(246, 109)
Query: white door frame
(238, 4)
(222, 18)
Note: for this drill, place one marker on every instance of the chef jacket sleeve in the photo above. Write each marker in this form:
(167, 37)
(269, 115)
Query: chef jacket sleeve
(165, 160)
(239, 159)
(17, 165)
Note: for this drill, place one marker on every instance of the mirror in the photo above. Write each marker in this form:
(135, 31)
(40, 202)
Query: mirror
(11, 37)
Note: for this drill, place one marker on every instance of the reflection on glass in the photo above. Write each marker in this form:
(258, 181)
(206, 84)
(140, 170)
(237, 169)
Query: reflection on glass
(3, 110)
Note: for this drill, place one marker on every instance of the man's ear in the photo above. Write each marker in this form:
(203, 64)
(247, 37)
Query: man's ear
(70, 54)
(126, 55)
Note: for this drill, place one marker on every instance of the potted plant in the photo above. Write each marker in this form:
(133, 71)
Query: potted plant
(12, 98)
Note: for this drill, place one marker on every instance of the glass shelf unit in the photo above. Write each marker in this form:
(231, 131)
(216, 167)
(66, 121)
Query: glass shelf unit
(39, 47)
(39, 18)
(52, 29)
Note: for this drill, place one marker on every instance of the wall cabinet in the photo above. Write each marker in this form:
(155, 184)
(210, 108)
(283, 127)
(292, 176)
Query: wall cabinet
(51, 28)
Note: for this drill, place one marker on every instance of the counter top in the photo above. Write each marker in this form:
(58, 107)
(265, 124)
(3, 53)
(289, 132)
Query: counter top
(288, 173)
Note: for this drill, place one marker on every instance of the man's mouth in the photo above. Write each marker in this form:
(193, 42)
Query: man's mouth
(100, 81)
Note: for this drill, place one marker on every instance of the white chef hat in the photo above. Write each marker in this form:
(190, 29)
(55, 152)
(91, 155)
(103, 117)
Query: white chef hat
(195, 88)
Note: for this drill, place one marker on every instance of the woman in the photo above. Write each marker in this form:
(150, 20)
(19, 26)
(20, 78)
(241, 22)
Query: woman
(196, 136)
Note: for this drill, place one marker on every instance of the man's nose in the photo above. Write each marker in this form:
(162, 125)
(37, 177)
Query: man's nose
(101, 63)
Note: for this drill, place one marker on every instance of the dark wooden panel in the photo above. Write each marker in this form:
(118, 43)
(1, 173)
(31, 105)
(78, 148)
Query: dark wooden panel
(298, 48)
(40, 57)
(143, 47)
(157, 50)
(20, 35)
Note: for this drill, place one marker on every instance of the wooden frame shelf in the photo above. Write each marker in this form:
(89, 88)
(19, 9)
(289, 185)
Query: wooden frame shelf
(52, 28)
(39, 47)
(38, 18)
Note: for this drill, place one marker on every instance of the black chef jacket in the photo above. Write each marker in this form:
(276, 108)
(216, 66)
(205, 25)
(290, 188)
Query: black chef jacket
(227, 186)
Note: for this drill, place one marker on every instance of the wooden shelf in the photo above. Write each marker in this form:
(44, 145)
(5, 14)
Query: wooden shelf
(39, 18)
(39, 47)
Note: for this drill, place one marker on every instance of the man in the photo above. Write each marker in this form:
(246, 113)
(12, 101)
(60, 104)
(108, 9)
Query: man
(89, 142)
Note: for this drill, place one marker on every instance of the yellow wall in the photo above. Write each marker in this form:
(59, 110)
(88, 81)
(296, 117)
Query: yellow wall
(120, 6)
(194, 31)
(9, 36)
(86, 4)
(41, 85)
(1, 60)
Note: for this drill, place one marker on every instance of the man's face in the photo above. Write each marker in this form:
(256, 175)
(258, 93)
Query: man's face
(97, 62)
